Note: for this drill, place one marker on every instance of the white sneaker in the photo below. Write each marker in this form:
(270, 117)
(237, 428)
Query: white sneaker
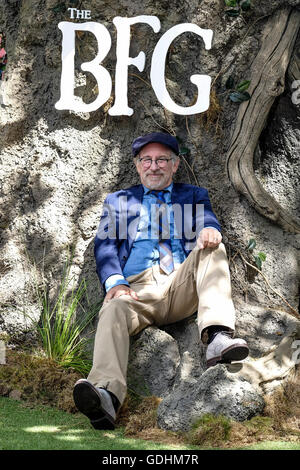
(95, 403)
(224, 349)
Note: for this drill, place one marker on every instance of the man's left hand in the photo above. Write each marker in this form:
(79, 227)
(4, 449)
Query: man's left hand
(209, 237)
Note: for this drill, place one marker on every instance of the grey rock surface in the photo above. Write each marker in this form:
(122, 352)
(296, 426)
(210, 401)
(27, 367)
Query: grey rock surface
(216, 392)
(154, 358)
(56, 167)
(172, 363)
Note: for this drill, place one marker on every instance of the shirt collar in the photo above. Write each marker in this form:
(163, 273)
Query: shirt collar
(168, 189)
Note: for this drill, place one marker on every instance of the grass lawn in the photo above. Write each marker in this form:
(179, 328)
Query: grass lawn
(45, 428)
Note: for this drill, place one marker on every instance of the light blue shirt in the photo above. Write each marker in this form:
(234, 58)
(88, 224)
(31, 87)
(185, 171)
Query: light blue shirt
(145, 251)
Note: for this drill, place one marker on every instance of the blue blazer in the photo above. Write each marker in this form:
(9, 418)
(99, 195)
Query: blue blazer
(111, 252)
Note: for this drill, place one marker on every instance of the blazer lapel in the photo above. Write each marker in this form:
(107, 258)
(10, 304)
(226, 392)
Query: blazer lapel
(134, 200)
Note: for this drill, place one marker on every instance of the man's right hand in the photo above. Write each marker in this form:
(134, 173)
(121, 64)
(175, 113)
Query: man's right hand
(119, 290)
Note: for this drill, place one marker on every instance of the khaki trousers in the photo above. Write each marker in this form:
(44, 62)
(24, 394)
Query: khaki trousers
(201, 283)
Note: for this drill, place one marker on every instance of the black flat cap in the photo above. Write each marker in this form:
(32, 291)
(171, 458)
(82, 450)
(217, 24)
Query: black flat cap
(159, 137)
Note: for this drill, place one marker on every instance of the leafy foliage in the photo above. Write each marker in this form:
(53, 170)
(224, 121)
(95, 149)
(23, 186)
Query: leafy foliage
(236, 7)
(61, 7)
(183, 149)
(59, 329)
(260, 257)
(239, 93)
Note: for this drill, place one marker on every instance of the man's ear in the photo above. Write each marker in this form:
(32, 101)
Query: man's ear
(176, 165)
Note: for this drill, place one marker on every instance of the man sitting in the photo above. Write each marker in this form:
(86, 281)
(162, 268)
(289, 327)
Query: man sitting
(160, 259)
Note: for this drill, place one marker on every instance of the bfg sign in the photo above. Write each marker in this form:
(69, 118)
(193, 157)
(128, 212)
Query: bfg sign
(68, 101)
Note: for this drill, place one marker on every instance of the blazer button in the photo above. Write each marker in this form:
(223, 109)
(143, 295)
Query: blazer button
(124, 258)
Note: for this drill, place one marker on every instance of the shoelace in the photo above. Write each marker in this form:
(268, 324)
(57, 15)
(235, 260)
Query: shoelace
(225, 333)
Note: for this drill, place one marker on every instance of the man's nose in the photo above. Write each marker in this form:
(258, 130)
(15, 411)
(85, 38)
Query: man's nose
(154, 162)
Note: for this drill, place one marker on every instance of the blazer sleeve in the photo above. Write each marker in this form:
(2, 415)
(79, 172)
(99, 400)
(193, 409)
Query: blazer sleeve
(106, 243)
(210, 219)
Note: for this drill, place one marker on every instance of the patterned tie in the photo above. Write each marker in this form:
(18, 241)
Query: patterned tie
(165, 250)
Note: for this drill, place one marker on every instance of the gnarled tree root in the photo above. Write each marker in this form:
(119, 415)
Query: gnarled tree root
(267, 82)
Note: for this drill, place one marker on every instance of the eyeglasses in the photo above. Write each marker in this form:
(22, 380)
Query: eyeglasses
(160, 162)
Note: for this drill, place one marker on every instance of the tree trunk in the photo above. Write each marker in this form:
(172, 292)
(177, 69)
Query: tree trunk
(267, 82)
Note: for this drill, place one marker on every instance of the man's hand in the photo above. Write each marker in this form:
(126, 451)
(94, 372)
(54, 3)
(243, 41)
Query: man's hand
(119, 290)
(209, 237)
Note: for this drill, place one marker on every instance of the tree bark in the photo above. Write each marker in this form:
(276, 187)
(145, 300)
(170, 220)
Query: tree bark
(267, 82)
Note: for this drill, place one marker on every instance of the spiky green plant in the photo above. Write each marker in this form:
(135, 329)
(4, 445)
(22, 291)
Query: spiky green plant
(63, 322)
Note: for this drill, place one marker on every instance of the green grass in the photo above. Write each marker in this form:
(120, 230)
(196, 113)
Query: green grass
(45, 428)
(272, 445)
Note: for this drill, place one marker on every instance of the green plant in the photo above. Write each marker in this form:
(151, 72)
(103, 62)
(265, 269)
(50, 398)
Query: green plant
(61, 7)
(183, 149)
(62, 323)
(260, 257)
(238, 92)
(236, 7)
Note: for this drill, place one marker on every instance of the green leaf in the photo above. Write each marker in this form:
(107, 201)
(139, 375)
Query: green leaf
(239, 96)
(231, 3)
(262, 256)
(229, 83)
(232, 12)
(251, 244)
(258, 262)
(184, 151)
(59, 8)
(243, 85)
(245, 5)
